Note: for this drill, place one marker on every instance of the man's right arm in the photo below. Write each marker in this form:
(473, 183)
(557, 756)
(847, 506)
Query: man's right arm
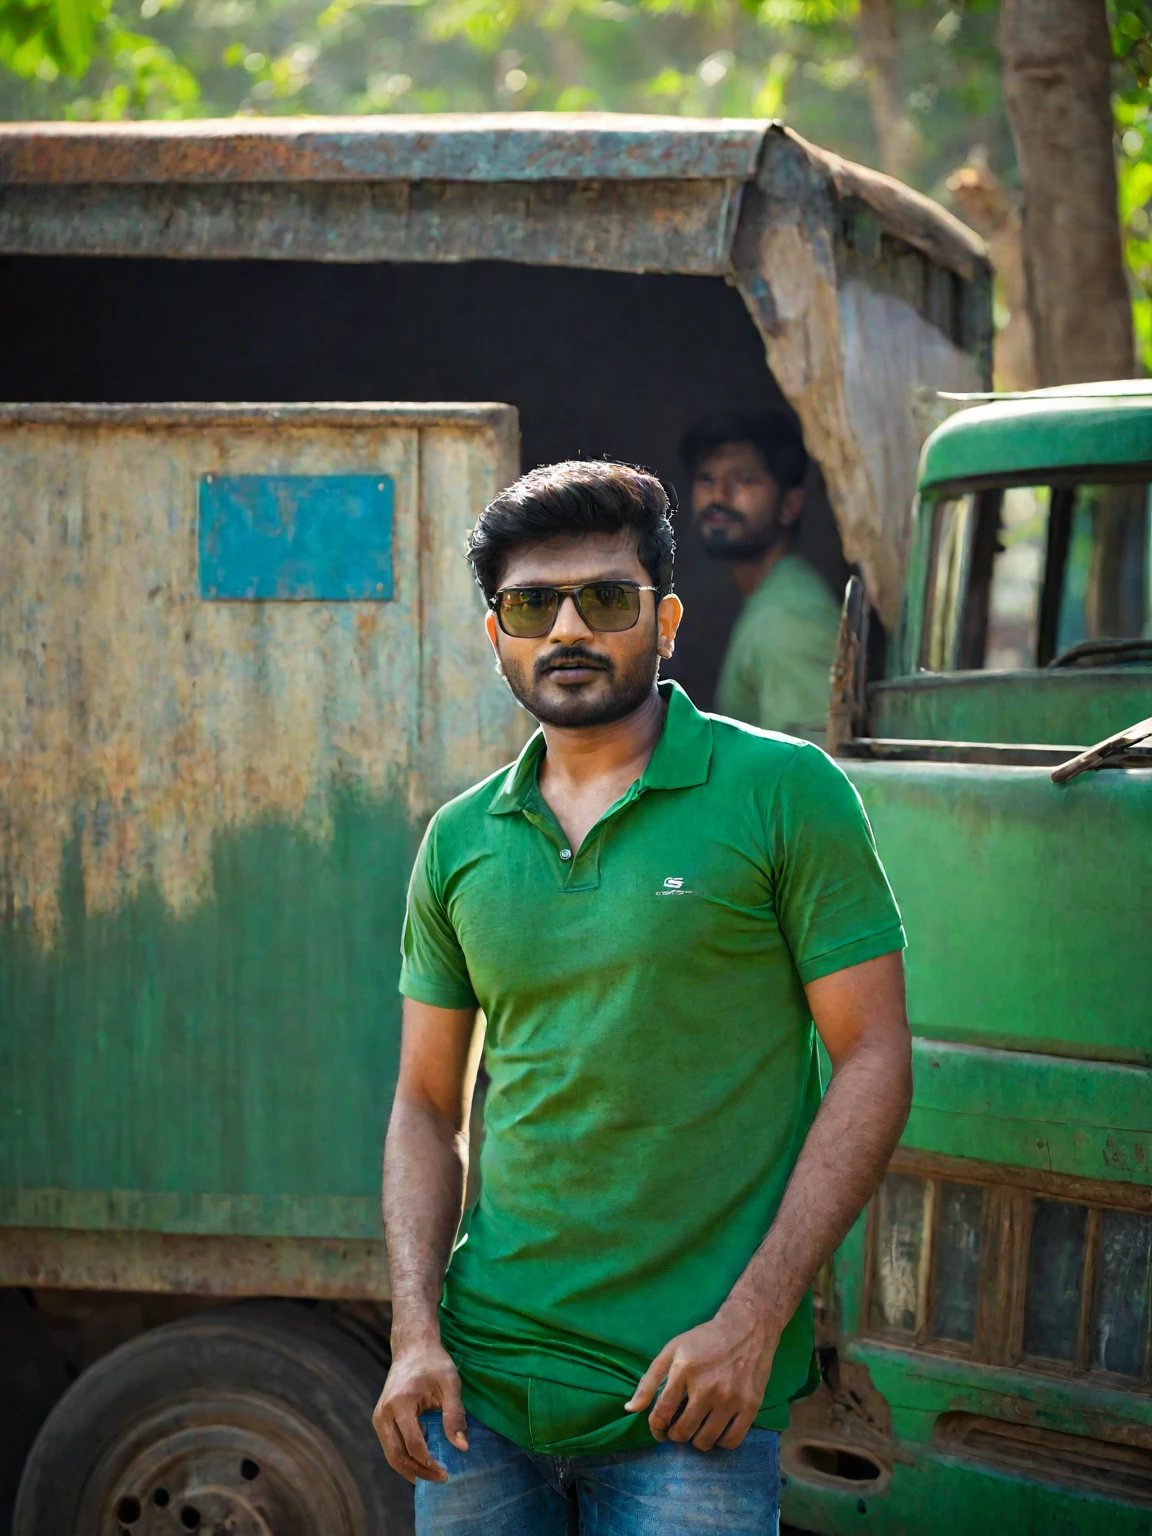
(425, 1167)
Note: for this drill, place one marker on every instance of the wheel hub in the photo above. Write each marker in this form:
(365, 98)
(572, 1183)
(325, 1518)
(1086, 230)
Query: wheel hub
(236, 1465)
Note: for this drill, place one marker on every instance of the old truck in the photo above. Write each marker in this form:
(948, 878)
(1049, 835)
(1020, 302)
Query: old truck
(240, 662)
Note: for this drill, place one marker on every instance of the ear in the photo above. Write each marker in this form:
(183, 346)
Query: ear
(668, 616)
(791, 504)
(492, 631)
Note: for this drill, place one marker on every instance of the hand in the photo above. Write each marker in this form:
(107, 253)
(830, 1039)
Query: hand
(722, 1367)
(422, 1377)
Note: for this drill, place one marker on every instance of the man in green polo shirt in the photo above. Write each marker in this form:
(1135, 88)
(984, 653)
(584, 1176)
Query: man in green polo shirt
(747, 478)
(657, 912)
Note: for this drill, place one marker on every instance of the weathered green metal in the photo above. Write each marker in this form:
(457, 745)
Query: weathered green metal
(223, 1069)
(989, 865)
(210, 810)
(1029, 965)
(1068, 707)
(1065, 1114)
(1049, 433)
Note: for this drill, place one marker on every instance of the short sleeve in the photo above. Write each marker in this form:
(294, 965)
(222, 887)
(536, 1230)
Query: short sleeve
(833, 899)
(433, 969)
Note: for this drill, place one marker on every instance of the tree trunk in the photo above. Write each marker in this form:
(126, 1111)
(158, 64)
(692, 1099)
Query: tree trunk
(983, 202)
(879, 45)
(1057, 68)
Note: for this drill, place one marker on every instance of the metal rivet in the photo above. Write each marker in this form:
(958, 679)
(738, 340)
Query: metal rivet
(565, 853)
(379, 586)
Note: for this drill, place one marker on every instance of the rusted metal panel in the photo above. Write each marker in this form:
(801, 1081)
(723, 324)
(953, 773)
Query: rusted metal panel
(208, 812)
(498, 420)
(869, 297)
(295, 1209)
(148, 761)
(860, 364)
(485, 147)
(901, 210)
(622, 226)
(180, 1264)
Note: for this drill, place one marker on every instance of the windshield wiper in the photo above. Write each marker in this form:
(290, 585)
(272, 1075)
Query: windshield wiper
(1127, 749)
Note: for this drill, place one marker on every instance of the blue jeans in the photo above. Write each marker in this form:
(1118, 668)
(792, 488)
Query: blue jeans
(496, 1489)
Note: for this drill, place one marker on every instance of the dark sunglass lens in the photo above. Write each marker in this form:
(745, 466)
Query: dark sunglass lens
(527, 612)
(609, 605)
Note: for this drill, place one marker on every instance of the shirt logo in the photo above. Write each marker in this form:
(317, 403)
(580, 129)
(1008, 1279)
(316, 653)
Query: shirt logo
(674, 886)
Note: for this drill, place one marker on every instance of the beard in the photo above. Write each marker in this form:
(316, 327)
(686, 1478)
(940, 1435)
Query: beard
(622, 690)
(740, 540)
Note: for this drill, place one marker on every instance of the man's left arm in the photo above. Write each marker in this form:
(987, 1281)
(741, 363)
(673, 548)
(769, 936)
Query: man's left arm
(721, 1367)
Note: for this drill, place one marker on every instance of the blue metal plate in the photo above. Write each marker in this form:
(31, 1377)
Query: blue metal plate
(323, 538)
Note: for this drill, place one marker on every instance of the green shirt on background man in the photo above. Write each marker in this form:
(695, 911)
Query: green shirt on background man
(775, 674)
(651, 1055)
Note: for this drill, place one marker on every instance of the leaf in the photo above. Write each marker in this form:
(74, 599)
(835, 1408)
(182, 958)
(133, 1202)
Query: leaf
(769, 99)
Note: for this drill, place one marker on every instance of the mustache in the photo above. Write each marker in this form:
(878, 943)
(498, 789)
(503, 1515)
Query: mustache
(571, 653)
(726, 511)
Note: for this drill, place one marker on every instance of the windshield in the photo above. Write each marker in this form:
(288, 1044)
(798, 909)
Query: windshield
(1018, 576)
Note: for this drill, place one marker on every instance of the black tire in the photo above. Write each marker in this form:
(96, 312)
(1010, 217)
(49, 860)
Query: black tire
(252, 1420)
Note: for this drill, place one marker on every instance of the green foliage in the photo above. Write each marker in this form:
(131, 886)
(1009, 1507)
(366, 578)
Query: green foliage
(40, 39)
(1132, 46)
(795, 59)
(60, 47)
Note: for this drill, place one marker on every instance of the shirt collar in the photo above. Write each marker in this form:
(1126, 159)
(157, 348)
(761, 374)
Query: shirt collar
(682, 757)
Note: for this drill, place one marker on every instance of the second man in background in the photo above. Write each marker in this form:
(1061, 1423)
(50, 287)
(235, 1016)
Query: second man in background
(747, 474)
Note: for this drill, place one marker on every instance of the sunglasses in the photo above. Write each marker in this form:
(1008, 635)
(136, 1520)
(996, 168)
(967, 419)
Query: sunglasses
(528, 613)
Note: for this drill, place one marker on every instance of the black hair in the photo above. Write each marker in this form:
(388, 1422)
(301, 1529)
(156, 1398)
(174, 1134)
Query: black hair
(775, 435)
(576, 497)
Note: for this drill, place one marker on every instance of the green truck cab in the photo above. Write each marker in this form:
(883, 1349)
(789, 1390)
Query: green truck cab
(985, 1328)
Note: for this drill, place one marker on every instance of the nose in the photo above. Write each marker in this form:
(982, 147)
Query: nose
(568, 627)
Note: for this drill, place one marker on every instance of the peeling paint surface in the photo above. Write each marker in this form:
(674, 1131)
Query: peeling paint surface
(143, 721)
(510, 146)
(855, 362)
(620, 226)
(208, 813)
(153, 1262)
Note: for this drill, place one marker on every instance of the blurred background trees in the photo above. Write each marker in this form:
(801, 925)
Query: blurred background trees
(915, 87)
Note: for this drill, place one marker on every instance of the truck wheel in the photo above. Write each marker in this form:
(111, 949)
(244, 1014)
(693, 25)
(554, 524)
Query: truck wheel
(254, 1421)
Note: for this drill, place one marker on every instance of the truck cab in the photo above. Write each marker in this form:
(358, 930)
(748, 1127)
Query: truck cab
(985, 1328)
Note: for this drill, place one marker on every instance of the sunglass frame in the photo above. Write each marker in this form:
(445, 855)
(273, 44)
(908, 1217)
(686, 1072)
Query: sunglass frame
(573, 590)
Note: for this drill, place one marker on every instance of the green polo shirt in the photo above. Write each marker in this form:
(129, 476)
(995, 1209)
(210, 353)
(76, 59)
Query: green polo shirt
(776, 670)
(652, 1059)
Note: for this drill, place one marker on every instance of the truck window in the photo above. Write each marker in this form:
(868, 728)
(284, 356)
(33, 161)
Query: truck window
(1070, 1292)
(1018, 575)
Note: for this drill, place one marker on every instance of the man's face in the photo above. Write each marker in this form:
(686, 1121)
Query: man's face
(576, 676)
(737, 504)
